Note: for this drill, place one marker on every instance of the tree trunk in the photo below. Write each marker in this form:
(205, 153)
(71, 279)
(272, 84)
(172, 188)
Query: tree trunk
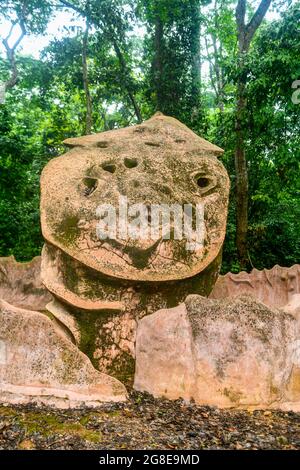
(241, 172)
(218, 58)
(218, 72)
(107, 28)
(158, 64)
(196, 65)
(245, 36)
(10, 52)
(125, 71)
(89, 118)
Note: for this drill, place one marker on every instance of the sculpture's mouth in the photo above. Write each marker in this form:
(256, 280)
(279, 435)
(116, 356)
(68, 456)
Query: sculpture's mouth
(137, 252)
(139, 249)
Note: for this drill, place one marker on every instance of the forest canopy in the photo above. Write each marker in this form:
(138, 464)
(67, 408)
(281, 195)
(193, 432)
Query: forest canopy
(228, 69)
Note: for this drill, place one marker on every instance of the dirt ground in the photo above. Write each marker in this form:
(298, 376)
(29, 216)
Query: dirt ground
(147, 423)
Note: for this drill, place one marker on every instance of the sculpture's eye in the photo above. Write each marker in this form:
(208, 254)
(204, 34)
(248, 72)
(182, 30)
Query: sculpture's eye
(102, 144)
(110, 167)
(204, 182)
(90, 184)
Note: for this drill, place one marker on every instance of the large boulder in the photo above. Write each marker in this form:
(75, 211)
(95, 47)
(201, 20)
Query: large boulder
(227, 353)
(39, 364)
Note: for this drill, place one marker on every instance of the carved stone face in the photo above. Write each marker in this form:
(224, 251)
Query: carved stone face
(158, 162)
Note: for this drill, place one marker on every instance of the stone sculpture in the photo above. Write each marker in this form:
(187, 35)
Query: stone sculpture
(103, 287)
(126, 304)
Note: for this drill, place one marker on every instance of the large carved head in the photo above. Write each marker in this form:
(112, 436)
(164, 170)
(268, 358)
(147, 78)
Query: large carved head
(160, 164)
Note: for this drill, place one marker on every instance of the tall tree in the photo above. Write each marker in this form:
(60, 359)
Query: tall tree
(220, 41)
(173, 48)
(108, 17)
(246, 32)
(11, 51)
(24, 16)
(89, 110)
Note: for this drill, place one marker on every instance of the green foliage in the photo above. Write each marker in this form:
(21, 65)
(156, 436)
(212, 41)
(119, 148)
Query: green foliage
(272, 149)
(172, 55)
(48, 105)
(19, 215)
(34, 13)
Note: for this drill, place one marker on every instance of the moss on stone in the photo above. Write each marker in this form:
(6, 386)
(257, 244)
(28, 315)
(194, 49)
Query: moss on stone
(87, 321)
(233, 395)
(49, 425)
(122, 368)
(67, 230)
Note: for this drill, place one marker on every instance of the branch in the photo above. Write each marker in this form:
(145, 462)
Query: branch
(257, 19)
(10, 53)
(240, 14)
(11, 30)
(78, 10)
(247, 31)
(125, 72)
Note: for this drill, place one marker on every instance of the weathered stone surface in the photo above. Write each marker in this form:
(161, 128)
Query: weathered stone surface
(39, 364)
(65, 320)
(158, 162)
(274, 287)
(21, 285)
(293, 306)
(108, 285)
(105, 334)
(226, 353)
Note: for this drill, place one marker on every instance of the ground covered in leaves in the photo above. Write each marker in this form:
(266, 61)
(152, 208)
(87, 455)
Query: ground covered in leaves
(147, 423)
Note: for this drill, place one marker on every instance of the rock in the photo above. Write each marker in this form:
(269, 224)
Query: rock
(26, 444)
(164, 357)
(65, 320)
(21, 285)
(227, 353)
(39, 364)
(274, 287)
(108, 285)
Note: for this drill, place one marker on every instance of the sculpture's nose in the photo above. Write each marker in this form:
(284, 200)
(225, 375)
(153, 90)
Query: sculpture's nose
(130, 162)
